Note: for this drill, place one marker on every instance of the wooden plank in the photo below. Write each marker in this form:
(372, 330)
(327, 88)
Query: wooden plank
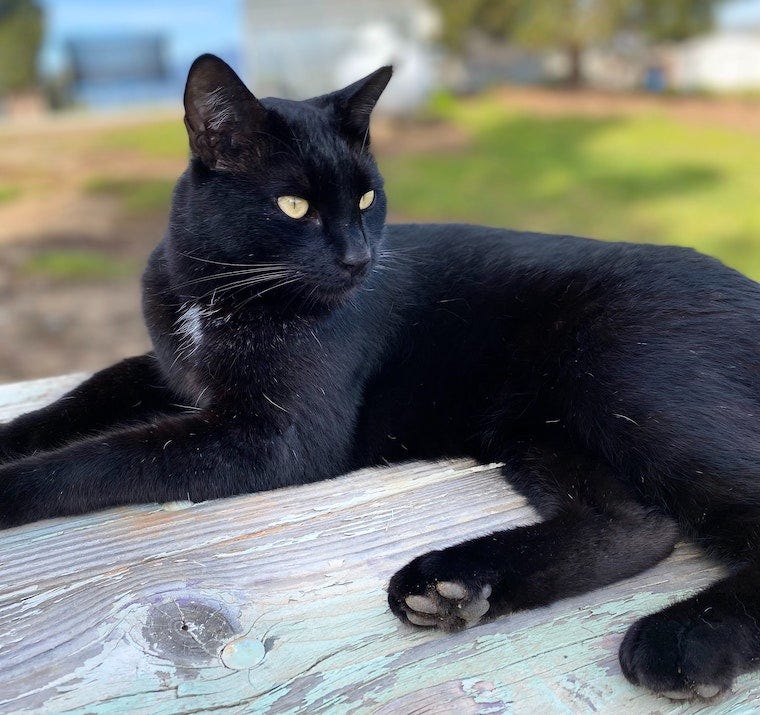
(275, 603)
(20, 397)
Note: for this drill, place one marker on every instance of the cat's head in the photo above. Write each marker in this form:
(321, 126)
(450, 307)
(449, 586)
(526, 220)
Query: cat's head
(280, 196)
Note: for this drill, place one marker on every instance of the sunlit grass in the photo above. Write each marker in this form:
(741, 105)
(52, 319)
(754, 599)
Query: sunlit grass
(8, 192)
(138, 196)
(642, 178)
(76, 265)
(638, 178)
(166, 138)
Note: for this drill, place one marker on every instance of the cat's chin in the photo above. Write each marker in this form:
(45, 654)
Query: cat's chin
(334, 297)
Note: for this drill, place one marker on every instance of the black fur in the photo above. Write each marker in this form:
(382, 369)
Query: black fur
(619, 383)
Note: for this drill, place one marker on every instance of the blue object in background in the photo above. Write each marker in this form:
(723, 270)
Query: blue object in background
(80, 35)
(655, 80)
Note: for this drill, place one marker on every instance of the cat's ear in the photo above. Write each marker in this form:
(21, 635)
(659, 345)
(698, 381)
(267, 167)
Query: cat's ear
(356, 102)
(221, 115)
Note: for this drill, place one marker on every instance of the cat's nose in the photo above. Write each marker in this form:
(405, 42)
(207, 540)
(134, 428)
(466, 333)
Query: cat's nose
(356, 260)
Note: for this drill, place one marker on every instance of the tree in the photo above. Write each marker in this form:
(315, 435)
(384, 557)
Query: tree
(573, 25)
(21, 29)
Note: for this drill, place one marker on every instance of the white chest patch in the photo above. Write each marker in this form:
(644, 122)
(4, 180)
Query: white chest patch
(190, 326)
(189, 331)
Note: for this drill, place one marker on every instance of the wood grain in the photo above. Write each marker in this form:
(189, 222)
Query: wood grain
(275, 603)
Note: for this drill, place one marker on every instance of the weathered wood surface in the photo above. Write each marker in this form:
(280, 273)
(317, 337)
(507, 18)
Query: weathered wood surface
(275, 603)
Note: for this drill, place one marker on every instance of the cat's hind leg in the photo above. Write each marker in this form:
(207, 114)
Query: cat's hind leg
(131, 391)
(593, 534)
(695, 648)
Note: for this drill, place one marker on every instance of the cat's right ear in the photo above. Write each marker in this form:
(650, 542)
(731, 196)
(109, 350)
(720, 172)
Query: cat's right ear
(221, 115)
(356, 102)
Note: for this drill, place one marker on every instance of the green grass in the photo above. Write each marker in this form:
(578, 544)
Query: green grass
(638, 178)
(76, 265)
(138, 196)
(155, 139)
(8, 192)
(645, 178)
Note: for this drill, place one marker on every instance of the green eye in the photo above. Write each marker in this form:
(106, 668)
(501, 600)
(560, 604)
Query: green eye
(367, 200)
(293, 206)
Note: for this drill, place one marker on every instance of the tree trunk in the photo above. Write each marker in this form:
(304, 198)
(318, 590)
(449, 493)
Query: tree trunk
(575, 57)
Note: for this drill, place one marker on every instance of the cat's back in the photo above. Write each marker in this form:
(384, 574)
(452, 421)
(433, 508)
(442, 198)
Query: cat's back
(458, 254)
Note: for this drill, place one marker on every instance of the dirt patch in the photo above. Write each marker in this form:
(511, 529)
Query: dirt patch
(418, 136)
(52, 329)
(733, 113)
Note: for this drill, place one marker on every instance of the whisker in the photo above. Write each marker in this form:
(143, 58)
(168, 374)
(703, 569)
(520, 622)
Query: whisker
(222, 263)
(278, 285)
(297, 294)
(252, 281)
(225, 274)
(364, 140)
(258, 294)
(248, 282)
(308, 302)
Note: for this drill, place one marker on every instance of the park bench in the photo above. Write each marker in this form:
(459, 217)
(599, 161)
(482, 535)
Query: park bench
(275, 603)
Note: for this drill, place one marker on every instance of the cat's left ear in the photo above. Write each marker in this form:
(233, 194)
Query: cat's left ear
(355, 103)
(222, 117)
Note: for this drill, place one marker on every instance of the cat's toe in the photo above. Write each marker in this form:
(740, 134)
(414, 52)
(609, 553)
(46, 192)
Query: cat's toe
(417, 596)
(676, 694)
(439, 610)
(678, 658)
(697, 691)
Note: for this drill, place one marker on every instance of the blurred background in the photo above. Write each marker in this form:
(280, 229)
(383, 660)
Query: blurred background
(620, 119)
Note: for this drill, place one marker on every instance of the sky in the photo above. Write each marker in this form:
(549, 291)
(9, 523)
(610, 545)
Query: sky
(191, 26)
(196, 26)
(740, 13)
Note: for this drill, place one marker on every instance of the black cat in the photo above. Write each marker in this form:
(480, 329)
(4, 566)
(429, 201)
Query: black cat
(296, 337)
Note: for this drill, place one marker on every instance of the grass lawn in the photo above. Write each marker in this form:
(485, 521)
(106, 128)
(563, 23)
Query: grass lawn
(643, 178)
(77, 265)
(165, 138)
(137, 196)
(636, 177)
(83, 203)
(8, 192)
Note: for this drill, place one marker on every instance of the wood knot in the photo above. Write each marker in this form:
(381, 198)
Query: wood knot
(243, 653)
(189, 630)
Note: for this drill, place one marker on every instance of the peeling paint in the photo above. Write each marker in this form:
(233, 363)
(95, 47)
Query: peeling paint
(284, 607)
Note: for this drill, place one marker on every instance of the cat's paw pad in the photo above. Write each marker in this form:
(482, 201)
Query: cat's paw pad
(448, 604)
(678, 658)
(697, 691)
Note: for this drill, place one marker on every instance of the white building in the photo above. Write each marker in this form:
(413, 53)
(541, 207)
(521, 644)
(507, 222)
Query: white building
(724, 61)
(301, 48)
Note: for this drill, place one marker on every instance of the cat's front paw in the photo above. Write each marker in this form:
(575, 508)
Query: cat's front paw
(431, 592)
(680, 657)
